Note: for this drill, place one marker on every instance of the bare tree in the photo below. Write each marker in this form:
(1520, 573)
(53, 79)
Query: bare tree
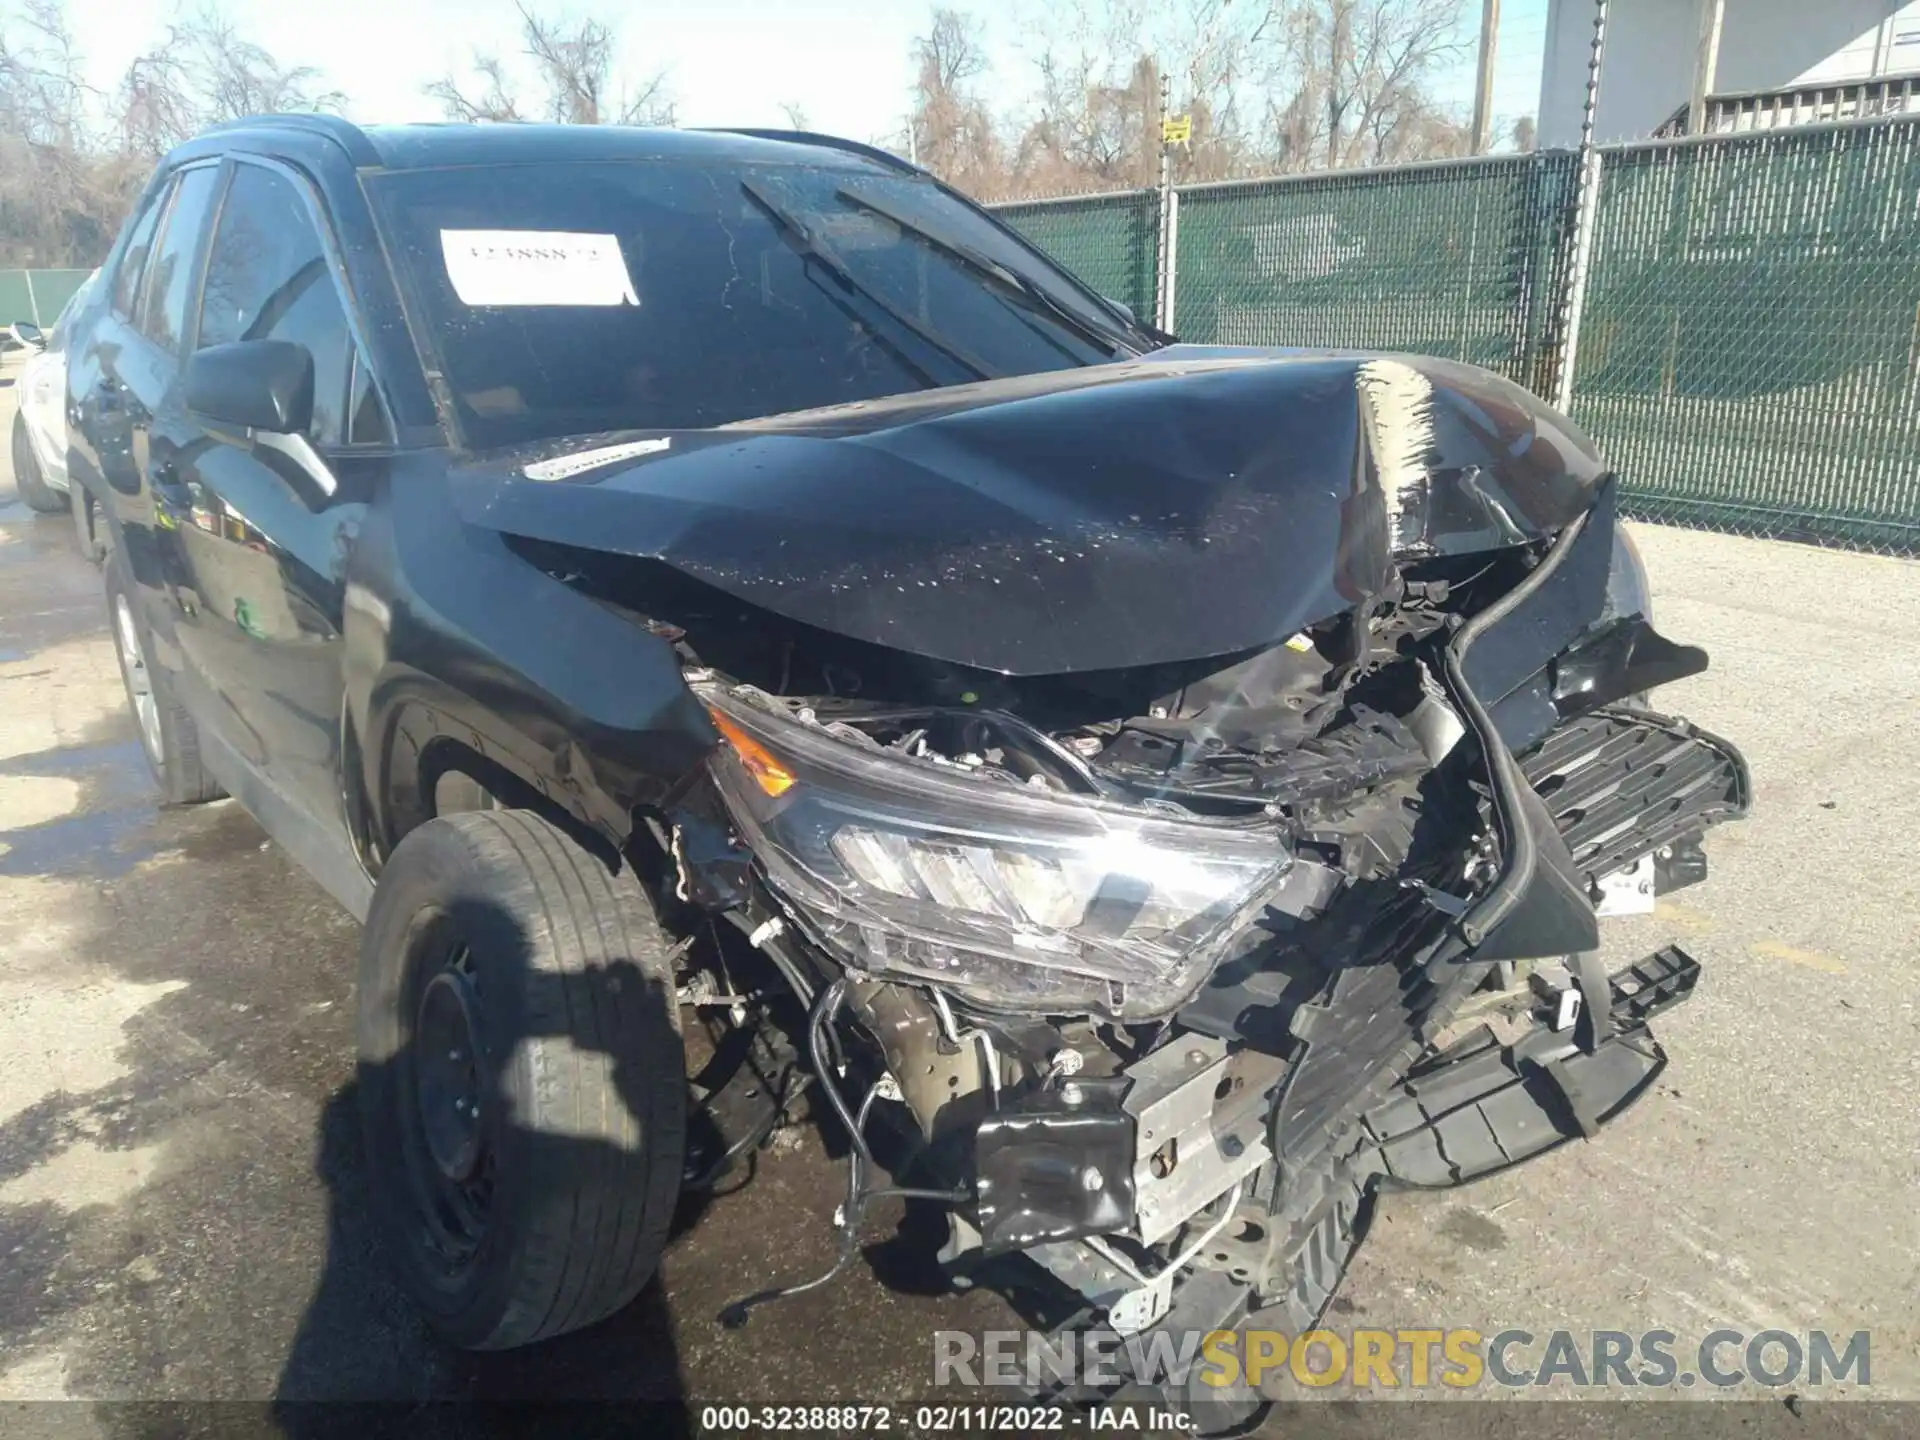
(48, 199)
(1353, 74)
(952, 128)
(43, 93)
(153, 107)
(574, 63)
(1098, 100)
(494, 102)
(72, 158)
(232, 77)
(796, 114)
(1100, 66)
(1215, 55)
(1526, 134)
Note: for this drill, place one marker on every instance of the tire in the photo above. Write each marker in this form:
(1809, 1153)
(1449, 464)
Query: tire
(168, 734)
(521, 1079)
(27, 479)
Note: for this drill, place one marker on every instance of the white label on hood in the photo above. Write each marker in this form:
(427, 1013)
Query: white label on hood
(536, 267)
(564, 466)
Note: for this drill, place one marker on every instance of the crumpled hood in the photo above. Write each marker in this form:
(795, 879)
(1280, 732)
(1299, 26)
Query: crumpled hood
(1197, 502)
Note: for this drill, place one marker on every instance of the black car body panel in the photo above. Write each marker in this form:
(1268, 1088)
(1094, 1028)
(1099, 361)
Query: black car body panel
(1188, 504)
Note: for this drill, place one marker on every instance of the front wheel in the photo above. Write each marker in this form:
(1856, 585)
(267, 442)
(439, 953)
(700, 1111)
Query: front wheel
(521, 1077)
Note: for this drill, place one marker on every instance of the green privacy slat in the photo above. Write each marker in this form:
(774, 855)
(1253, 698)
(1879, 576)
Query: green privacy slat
(1750, 356)
(1461, 260)
(1108, 241)
(16, 299)
(36, 295)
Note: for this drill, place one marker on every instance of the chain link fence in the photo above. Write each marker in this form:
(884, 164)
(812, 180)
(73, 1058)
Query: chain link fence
(1110, 241)
(1748, 356)
(1460, 259)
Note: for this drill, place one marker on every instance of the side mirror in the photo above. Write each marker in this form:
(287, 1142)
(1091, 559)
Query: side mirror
(29, 334)
(253, 385)
(1124, 308)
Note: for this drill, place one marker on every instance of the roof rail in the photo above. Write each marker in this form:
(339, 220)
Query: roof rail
(337, 128)
(813, 137)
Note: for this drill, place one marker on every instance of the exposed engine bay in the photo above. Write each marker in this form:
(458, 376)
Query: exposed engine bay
(1173, 964)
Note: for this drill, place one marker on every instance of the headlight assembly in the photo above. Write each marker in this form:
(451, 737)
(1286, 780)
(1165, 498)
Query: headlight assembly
(1016, 897)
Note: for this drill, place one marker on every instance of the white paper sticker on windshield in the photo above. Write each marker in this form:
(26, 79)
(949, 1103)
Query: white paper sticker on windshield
(565, 466)
(536, 267)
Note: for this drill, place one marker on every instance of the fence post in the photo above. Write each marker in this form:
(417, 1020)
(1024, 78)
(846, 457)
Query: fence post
(1167, 279)
(33, 305)
(1166, 232)
(1586, 197)
(1586, 212)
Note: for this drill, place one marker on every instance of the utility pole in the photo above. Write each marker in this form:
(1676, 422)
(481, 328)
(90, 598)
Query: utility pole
(1708, 59)
(1483, 88)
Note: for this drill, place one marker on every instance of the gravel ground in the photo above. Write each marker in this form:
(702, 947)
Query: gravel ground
(181, 1211)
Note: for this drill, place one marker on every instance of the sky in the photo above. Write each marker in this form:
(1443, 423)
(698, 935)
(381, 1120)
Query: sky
(845, 63)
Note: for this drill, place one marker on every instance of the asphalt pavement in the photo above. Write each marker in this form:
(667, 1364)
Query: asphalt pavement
(182, 1196)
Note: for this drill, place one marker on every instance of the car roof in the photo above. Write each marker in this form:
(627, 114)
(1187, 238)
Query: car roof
(429, 146)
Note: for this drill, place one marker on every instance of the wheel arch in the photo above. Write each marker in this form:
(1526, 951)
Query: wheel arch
(433, 732)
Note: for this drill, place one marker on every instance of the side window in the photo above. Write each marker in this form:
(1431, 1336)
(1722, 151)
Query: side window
(268, 279)
(171, 285)
(133, 263)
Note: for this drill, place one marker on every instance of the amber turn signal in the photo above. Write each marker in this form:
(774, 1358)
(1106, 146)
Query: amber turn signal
(767, 772)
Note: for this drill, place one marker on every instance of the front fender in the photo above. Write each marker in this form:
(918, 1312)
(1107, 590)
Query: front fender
(452, 636)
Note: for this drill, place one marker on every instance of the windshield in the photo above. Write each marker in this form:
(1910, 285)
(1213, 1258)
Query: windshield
(576, 298)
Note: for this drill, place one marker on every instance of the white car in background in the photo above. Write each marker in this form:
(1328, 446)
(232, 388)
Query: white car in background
(40, 424)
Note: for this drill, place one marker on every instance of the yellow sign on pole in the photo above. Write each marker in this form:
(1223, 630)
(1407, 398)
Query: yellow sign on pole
(1176, 130)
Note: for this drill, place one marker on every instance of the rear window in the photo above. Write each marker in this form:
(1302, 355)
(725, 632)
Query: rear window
(576, 298)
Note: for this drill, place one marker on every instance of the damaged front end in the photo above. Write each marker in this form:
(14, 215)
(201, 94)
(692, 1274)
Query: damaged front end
(1164, 913)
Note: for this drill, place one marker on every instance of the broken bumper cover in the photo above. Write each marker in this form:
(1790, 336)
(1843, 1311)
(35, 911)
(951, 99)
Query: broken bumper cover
(1481, 1106)
(1063, 1167)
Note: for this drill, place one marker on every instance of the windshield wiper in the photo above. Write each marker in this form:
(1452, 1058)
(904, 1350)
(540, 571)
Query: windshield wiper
(1036, 296)
(809, 245)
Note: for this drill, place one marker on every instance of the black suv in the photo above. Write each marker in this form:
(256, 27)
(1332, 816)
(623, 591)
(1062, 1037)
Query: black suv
(725, 594)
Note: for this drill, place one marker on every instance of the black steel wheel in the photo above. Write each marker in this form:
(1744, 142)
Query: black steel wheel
(522, 1079)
